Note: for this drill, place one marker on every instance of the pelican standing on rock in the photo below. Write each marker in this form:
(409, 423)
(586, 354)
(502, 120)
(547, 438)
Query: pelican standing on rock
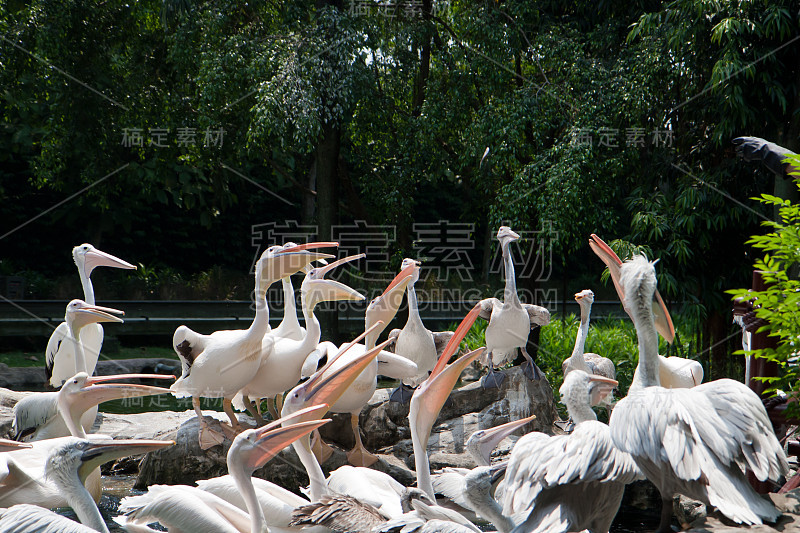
(380, 311)
(36, 415)
(220, 364)
(414, 341)
(697, 442)
(510, 321)
(61, 360)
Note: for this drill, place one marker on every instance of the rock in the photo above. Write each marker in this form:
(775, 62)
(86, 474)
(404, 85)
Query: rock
(688, 510)
(22, 378)
(384, 423)
(788, 502)
(717, 524)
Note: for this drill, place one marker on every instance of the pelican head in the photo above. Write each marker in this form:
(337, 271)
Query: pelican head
(80, 314)
(328, 383)
(280, 261)
(81, 456)
(253, 448)
(481, 443)
(506, 234)
(408, 262)
(586, 296)
(318, 289)
(384, 307)
(82, 392)
(87, 257)
(580, 390)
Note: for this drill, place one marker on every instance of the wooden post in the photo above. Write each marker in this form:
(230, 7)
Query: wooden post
(760, 367)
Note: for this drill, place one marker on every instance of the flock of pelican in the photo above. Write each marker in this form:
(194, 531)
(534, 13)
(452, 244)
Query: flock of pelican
(685, 436)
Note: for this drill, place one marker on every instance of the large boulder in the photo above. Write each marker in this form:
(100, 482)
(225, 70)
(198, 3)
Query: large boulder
(384, 423)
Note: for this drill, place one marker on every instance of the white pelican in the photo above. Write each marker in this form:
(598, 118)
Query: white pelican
(371, 497)
(697, 442)
(415, 342)
(183, 508)
(510, 321)
(326, 386)
(323, 387)
(22, 478)
(591, 363)
(66, 467)
(280, 369)
(675, 372)
(36, 415)
(569, 482)
(451, 482)
(220, 364)
(61, 361)
(381, 310)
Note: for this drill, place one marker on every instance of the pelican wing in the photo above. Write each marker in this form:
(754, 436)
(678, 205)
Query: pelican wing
(32, 412)
(24, 518)
(340, 513)
(692, 429)
(276, 502)
(57, 348)
(184, 508)
(449, 482)
(440, 340)
(487, 306)
(586, 455)
(538, 315)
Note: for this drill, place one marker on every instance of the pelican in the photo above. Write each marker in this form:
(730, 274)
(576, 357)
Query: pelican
(22, 475)
(697, 442)
(66, 467)
(414, 341)
(280, 369)
(290, 327)
(591, 363)
(675, 372)
(569, 482)
(373, 498)
(451, 482)
(381, 310)
(510, 321)
(322, 388)
(220, 364)
(36, 415)
(61, 360)
(184, 508)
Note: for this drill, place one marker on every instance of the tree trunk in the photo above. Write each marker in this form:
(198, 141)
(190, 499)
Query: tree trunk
(326, 162)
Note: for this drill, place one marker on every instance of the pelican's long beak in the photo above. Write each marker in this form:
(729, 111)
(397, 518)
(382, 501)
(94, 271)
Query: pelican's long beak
(494, 436)
(428, 399)
(271, 441)
(663, 320)
(331, 290)
(99, 452)
(90, 314)
(95, 258)
(600, 387)
(7, 445)
(384, 307)
(293, 259)
(95, 391)
(327, 385)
